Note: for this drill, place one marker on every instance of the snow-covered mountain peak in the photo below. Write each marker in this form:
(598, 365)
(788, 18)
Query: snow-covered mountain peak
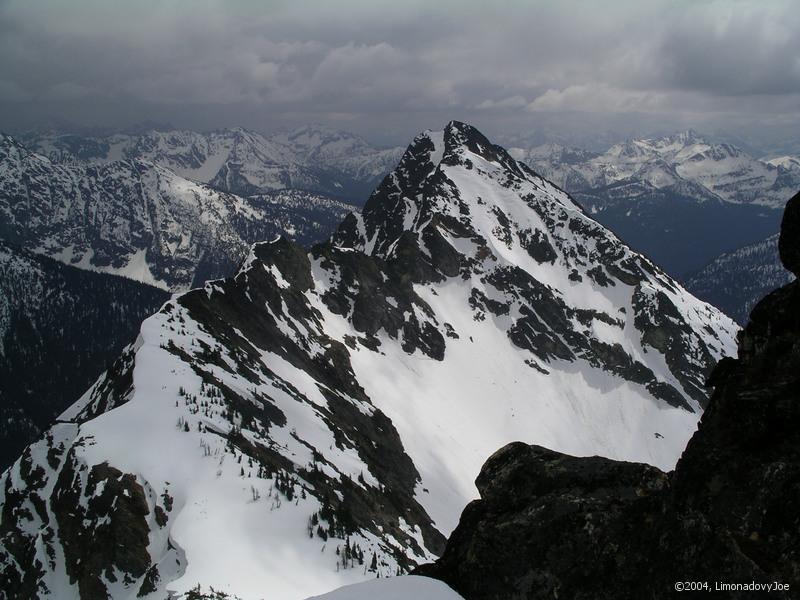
(674, 149)
(786, 162)
(673, 143)
(462, 140)
(329, 405)
(480, 215)
(452, 182)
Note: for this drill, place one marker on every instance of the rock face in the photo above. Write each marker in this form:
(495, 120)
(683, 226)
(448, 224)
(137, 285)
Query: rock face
(789, 246)
(550, 525)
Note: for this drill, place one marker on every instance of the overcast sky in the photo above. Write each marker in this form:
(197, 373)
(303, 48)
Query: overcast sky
(581, 71)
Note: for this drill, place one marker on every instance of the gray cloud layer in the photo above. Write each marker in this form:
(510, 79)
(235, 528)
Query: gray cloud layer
(391, 68)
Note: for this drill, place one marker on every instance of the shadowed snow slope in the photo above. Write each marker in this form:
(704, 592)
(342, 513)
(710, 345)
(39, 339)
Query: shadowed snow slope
(409, 587)
(320, 417)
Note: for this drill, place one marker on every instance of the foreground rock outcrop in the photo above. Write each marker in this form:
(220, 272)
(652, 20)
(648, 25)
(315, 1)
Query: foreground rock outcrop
(550, 525)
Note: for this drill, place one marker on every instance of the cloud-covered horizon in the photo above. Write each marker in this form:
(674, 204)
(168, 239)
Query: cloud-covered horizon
(388, 69)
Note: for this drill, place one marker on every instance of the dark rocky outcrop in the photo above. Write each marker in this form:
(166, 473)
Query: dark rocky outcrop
(788, 244)
(555, 526)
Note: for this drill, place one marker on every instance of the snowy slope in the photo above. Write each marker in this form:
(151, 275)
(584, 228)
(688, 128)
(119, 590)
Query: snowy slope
(787, 162)
(143, 221)
(326, 407)
(736, 281)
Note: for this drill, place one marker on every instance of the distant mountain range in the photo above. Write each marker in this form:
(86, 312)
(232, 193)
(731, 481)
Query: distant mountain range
(242, 162)
(61, 326)
(685, 161)
(681, 199)
(173, 209)
(139, 219)
(707, 212)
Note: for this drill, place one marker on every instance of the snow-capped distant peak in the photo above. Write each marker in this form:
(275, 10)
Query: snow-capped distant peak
(686, 138)
(686, 163)
(787, 162)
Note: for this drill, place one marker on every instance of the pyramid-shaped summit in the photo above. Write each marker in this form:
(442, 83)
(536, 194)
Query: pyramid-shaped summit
(326, 406)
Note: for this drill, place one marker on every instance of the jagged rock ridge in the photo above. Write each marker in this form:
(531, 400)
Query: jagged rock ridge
(336, 404)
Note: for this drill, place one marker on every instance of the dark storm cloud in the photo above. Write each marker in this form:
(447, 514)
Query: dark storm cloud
(399, 65)
(753, 49)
